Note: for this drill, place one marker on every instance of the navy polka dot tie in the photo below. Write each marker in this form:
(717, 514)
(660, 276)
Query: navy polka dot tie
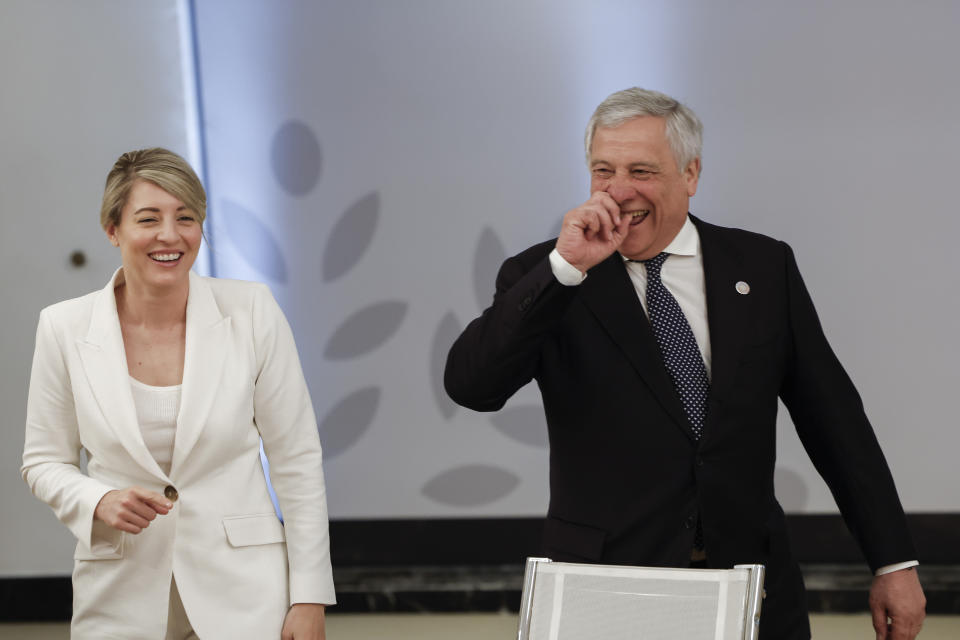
(677, 346)
(681, 355)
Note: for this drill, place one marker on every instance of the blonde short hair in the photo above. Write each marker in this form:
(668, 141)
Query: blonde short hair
(163, 168)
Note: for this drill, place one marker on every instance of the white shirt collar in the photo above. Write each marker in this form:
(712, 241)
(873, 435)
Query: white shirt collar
(685, 243)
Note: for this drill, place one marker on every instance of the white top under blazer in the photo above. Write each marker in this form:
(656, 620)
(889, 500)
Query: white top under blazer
(157, 409)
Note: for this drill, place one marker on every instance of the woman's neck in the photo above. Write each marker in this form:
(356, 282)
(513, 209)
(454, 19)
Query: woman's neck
(151, 307)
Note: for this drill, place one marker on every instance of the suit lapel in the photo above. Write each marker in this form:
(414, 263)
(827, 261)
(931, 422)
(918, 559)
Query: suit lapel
(105, 365)
(611, 296)
(727, 310)
(207, 337)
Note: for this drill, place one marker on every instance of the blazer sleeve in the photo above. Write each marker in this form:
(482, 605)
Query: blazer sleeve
(499, 352)
(287, 424)
(51, 449)
(833, 427)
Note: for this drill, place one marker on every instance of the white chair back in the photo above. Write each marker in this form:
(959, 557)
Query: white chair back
(565, 601)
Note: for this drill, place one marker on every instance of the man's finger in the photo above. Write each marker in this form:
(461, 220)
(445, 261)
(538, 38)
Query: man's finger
(902, 629)
(591, 223)
(606, 224)
(879, 614)
(623, 225)
(610, 205)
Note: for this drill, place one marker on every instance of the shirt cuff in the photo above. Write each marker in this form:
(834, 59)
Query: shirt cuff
(567, 274)
(890, 568)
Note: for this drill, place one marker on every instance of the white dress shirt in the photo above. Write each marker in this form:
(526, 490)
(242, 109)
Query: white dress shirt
(682, 275)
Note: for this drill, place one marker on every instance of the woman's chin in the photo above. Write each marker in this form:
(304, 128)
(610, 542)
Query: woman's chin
(163, 277)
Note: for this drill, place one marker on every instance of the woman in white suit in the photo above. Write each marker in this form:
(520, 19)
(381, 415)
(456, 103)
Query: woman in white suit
(168, 381)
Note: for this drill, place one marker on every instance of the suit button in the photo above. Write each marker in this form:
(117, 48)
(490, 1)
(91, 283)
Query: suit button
(690, 522)
(699, 461)
(171, 493)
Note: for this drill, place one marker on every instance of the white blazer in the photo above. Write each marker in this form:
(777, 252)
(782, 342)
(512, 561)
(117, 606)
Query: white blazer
(237, 567)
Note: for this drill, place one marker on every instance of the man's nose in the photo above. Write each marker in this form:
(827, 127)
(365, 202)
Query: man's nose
(620, 189)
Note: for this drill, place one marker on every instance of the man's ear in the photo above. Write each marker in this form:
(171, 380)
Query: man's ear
(692, 175)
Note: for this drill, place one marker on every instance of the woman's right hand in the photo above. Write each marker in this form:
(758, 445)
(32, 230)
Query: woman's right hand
(132, 509)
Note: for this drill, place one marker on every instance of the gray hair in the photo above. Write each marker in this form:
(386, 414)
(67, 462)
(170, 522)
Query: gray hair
(684, 130)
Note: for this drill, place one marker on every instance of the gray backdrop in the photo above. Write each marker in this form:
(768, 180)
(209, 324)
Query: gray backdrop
(375, 161)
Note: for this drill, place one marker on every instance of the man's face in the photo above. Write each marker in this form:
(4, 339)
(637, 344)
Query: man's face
(634, 164)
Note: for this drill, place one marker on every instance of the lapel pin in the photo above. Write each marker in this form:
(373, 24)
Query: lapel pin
(742, 288)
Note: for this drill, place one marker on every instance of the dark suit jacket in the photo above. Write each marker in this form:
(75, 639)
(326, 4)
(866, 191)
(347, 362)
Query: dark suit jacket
(627, 478)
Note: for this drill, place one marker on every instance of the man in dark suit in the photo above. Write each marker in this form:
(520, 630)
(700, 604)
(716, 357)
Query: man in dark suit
(660, 344)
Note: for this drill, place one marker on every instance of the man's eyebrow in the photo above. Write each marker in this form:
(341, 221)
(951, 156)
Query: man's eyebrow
(632, 165)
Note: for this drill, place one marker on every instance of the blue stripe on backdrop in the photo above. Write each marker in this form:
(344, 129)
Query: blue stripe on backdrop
(196, 123)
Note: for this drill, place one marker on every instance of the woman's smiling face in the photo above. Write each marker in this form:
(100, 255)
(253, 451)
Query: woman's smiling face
(158, 237)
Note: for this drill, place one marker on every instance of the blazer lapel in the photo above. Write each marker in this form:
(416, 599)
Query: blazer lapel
(727, 310)
(611, 296)
(105, 365)
(207, 336)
